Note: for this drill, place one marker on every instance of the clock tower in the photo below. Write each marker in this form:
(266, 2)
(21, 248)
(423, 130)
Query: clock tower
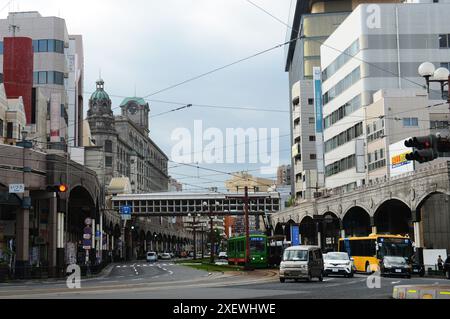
(137, 110)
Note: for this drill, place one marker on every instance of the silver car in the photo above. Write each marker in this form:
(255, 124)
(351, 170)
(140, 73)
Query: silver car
(302, 262)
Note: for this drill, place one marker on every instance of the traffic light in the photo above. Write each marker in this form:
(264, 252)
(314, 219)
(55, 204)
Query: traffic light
(60, 188)
(426, 148)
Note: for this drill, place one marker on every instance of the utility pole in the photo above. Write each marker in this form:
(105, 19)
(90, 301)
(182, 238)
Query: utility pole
(247, 231)
(211, 258)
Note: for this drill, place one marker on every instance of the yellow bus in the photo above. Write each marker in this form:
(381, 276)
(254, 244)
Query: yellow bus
(367, 252)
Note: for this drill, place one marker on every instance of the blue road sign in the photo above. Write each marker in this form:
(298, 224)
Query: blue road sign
(295, 235)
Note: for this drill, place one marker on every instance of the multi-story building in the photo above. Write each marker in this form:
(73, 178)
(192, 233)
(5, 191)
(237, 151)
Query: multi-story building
(53, 52)
(359, 59)
(123, 147)
(312, 23)
(394, 116)
(175, 186)
(284, 175)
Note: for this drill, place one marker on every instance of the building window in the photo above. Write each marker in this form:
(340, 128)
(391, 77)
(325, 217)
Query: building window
(312, 120)
(411, 122)
(108, 147)
(43, 46)
(344, 137)
(345, 110)
(342, 86)
(9, 130)
(435, 125)
(341, 60)
(312, 138)
(310, 101)
(1, 128)
(42, 78)
(108, 161)
(443, 41)
(312, 156)
(341, 166)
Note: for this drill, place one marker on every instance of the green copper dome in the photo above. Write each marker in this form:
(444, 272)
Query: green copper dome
(138, 100)
(100, 93)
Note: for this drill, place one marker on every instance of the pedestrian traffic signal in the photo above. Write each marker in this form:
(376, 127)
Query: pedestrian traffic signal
(426, 148)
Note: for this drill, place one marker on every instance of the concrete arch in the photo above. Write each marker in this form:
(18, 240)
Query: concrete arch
(279, 230)
(393, 216)
(366, 209)
(89, 189)
(357, 221)
(308, 231)
(330, 232)
(420, 201)
(433, 212)
(377, 207)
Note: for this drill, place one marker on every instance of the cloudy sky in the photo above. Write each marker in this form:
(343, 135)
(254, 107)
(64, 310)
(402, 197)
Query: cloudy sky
(147, 45)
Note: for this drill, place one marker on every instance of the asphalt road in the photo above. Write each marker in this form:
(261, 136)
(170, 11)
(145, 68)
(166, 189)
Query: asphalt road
(166, 280)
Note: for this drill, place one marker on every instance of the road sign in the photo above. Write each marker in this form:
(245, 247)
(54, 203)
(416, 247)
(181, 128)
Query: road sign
(88, 221)
(16, 188)
(295, 235)
(126, 212)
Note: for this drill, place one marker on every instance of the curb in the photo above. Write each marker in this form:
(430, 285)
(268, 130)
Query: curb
(421, 292)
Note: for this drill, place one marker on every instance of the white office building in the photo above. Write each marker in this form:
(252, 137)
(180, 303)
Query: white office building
(378, 46)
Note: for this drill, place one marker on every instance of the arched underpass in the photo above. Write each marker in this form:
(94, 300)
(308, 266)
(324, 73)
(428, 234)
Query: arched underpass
(434, 212)
(394, 217)
(308, 231)
(357, 222)
(330, 232)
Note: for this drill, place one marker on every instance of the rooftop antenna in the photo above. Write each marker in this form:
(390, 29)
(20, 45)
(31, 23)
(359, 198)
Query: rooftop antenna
(13, 27)
(135, 90)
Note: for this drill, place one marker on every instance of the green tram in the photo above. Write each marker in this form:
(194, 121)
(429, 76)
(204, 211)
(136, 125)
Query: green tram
(258, 251)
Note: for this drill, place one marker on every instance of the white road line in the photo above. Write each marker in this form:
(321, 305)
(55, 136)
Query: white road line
(395, 282)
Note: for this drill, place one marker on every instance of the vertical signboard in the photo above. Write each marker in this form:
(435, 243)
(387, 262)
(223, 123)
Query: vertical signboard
(55, 118)
(360, 156)
(318, 103)
(295, 235)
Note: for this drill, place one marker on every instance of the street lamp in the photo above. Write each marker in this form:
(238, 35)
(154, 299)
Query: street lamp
(441, 75)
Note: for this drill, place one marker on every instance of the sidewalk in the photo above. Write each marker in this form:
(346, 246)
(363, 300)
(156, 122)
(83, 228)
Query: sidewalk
(104, 273)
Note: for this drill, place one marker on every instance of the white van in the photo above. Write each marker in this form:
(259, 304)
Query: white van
(152, 257)
(302, 262)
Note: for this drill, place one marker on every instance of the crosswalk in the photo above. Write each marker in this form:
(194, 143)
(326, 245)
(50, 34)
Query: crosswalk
(145, 265)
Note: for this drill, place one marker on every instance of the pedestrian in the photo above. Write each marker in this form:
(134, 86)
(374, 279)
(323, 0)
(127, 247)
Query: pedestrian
(440, 263)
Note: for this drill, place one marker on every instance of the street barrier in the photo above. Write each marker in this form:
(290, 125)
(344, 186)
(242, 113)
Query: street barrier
(421, 292)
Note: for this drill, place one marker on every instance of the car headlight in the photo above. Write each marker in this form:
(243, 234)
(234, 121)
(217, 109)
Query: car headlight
(282, 266)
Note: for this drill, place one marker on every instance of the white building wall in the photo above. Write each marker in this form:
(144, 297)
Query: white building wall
(418, 42)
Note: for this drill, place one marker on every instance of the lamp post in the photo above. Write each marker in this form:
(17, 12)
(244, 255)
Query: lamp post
(441, 75)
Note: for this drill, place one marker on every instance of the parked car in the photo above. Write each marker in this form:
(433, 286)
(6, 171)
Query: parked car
(338, 264)
(447, 267)
(152, 256)
(418, 269)
(302, 262)
(191, 254)
(166, 256)
(223, 255)
(172, 255)
(395, 266)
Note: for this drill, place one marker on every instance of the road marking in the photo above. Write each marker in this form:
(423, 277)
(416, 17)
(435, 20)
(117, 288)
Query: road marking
(395, 282)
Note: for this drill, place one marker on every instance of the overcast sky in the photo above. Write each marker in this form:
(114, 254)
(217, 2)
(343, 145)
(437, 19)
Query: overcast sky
(150, 45)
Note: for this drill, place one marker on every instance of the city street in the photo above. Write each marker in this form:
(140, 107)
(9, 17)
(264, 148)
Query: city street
(168, 280)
